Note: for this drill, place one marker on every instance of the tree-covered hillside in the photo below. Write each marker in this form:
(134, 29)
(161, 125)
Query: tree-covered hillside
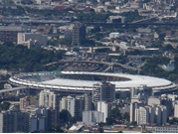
(20, 57)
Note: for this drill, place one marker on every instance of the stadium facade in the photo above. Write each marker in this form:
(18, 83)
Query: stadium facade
(70, 81)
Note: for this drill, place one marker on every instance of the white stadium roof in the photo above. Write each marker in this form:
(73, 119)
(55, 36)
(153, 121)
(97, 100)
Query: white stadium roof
(155, 83)
(135, 80)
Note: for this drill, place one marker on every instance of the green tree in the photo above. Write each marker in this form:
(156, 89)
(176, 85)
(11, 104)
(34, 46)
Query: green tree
(15, 57)
(126, 116)
(110, 120)
(132, 16)
(101, 124)
(73, 120)
(65, 116)
(103, 50)
(115, 113)
(5, 105)
(133, 123)
(167, 47)
(56, 128)
(96, 29)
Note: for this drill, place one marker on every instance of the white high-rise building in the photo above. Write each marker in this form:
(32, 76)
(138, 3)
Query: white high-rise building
(133, 106)
(103, 107)
(158, 115)
(71, 105)
(149, 114)
(176, 110)
(92, 117)
(75, 105)
(142, 115)
(63, 103)
(48, 98)
(139, 95)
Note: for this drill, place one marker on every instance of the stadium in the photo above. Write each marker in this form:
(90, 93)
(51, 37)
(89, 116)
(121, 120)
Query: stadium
(80, 82)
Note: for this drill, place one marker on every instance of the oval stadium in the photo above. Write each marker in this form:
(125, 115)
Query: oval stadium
(81, 82)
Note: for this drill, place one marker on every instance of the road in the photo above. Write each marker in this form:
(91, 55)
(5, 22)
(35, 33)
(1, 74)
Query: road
(94, 62)
(12, 89)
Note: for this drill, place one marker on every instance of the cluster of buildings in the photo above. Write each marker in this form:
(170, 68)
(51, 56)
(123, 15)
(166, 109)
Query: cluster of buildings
(146, 110)
(39, 113)
(31, 39)
(90, 108)
(18, 36)
(34, 38)
(35, 114)
(114, 6)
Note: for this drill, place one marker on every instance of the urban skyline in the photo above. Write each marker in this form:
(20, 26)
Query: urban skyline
(88, 66)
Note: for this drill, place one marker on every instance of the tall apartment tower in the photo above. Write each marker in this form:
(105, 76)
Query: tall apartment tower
(79, 106)
(14, 121)
(63, 103)
(151, 114)
(142, 115)
(48, 98)
(133, 107)
(74, 105)
(71, 105)
(163, 114)
(166, 101)
(139, 95)
(88, 105)
(104, 91)
(158, 116)
(103, 108)
(78, 33)
(176, 110)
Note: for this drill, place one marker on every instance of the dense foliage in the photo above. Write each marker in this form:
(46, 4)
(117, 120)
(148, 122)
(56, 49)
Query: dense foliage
(132, 16)
(20, 57)
(173, 121)
(5, 105)
(120, 59)
(93, 17)
(152, 68)
(115, 116)
(63, 41)
(10, 11)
